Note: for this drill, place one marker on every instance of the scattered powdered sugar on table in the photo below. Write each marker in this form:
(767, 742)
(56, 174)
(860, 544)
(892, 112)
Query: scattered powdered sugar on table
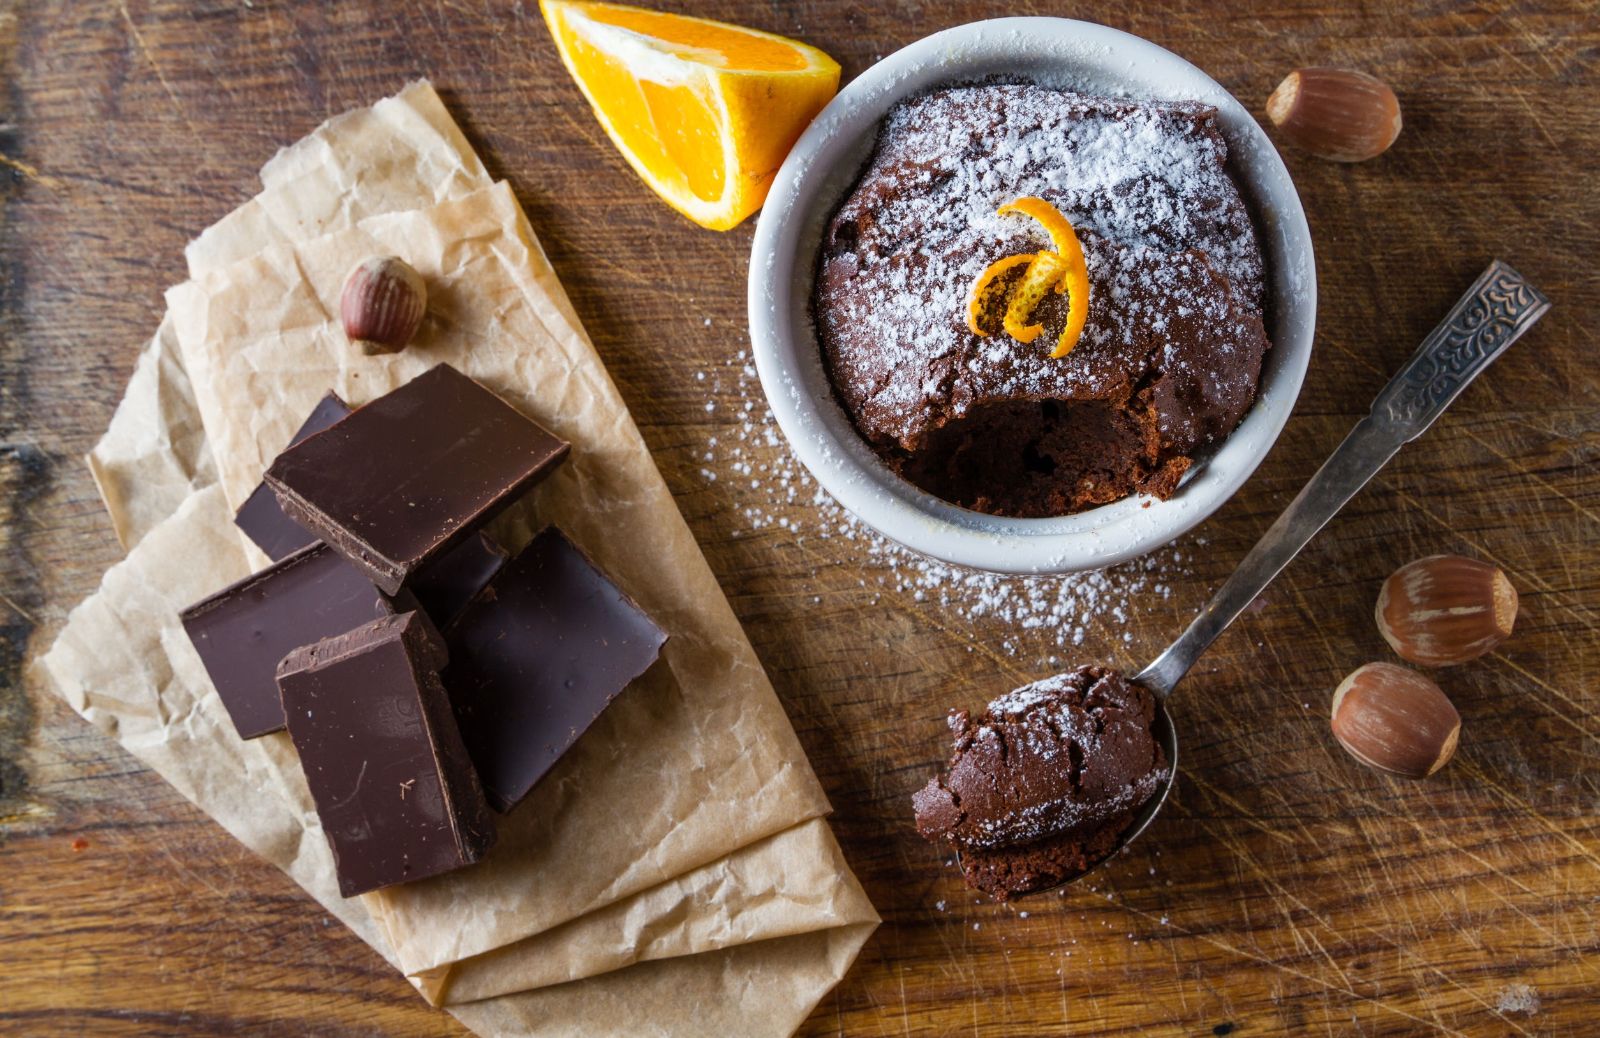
(773, 491)
(1518, 998)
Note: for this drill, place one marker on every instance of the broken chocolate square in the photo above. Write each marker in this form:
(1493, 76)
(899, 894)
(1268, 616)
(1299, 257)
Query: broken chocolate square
(536, 656)
(409, 476)
(260, 517)
(242, 631)
(395, 790)
(449, 582)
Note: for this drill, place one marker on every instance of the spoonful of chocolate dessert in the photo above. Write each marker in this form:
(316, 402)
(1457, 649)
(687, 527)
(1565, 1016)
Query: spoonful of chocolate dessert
(1057, 776)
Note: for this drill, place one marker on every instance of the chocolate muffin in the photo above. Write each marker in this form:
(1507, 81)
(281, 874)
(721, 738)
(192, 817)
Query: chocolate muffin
(1171, 353)
(1041, 786)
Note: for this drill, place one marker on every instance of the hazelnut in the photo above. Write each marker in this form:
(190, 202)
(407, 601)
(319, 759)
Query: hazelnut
(1336, 114)
(382, 304)
(1446, 609)
(1394, 719)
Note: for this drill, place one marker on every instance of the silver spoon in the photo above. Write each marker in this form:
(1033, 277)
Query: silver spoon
(1494, 313)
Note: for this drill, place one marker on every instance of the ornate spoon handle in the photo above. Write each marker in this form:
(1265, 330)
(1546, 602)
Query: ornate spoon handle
(1493, 314)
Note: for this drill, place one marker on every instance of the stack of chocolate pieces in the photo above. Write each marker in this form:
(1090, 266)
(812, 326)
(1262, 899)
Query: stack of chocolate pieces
(423, 674)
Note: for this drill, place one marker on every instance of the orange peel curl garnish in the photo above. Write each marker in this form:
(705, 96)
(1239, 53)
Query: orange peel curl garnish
(985, 286)
(1062, 236)
(1063, 269)
(1043, 274)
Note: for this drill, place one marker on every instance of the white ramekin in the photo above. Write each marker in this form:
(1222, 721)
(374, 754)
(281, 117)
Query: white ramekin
(821, 169)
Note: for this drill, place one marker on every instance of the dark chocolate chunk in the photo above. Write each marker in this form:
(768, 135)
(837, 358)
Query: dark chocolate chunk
(260, 517)
(534, 659)
(397, 794)
(242, 631)
(449, 582)
(412, 474)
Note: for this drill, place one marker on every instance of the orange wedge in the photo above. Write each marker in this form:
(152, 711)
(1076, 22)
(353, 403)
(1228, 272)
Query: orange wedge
(704, 111)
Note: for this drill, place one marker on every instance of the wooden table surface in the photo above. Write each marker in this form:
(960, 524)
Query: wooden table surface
(1284, 890)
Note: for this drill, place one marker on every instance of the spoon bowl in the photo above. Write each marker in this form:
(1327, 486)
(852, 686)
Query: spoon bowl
(1166, 736)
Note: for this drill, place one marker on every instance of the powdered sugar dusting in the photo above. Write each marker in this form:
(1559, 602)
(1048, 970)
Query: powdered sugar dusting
(1518, 998)
(1144, 184)
(773, 491)
(1019, 701)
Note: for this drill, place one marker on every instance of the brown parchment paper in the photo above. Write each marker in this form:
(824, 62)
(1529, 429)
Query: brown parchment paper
(697, 758)
(158, 704)
(789, 883)
(411, 175)
(794, 882)
(142, 684)
(405, 152)
(154, 455)
(747, 991)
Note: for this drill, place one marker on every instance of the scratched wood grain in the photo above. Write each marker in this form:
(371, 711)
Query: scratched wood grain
(1285, 890)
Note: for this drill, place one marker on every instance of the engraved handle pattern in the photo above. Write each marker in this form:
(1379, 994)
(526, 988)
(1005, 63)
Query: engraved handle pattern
(1495, 311)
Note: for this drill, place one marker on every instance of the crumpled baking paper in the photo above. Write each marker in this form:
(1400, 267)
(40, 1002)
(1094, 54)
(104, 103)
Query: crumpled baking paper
(674, 870)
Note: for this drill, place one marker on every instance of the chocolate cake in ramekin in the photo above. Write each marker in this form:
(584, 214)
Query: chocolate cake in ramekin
(1170, 353)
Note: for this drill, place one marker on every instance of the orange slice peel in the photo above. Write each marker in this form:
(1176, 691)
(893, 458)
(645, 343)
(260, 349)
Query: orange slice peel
(1076, 281)
(1063, 270)
(1062, 236)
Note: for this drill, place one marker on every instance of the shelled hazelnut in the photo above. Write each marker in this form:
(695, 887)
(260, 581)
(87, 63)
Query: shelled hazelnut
(1446, 609)
(1392, 718)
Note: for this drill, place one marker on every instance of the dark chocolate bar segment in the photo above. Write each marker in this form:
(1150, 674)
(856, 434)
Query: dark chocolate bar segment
(410, 475)
(242, 631)
(447, 584)
(534, 659)
(397, 794)
(260, 517)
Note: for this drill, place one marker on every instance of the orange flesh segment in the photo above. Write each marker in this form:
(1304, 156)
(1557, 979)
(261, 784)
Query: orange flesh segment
(1044, 273)
(689, 134)
(724, 46)
(986, 286)
(669, 127)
